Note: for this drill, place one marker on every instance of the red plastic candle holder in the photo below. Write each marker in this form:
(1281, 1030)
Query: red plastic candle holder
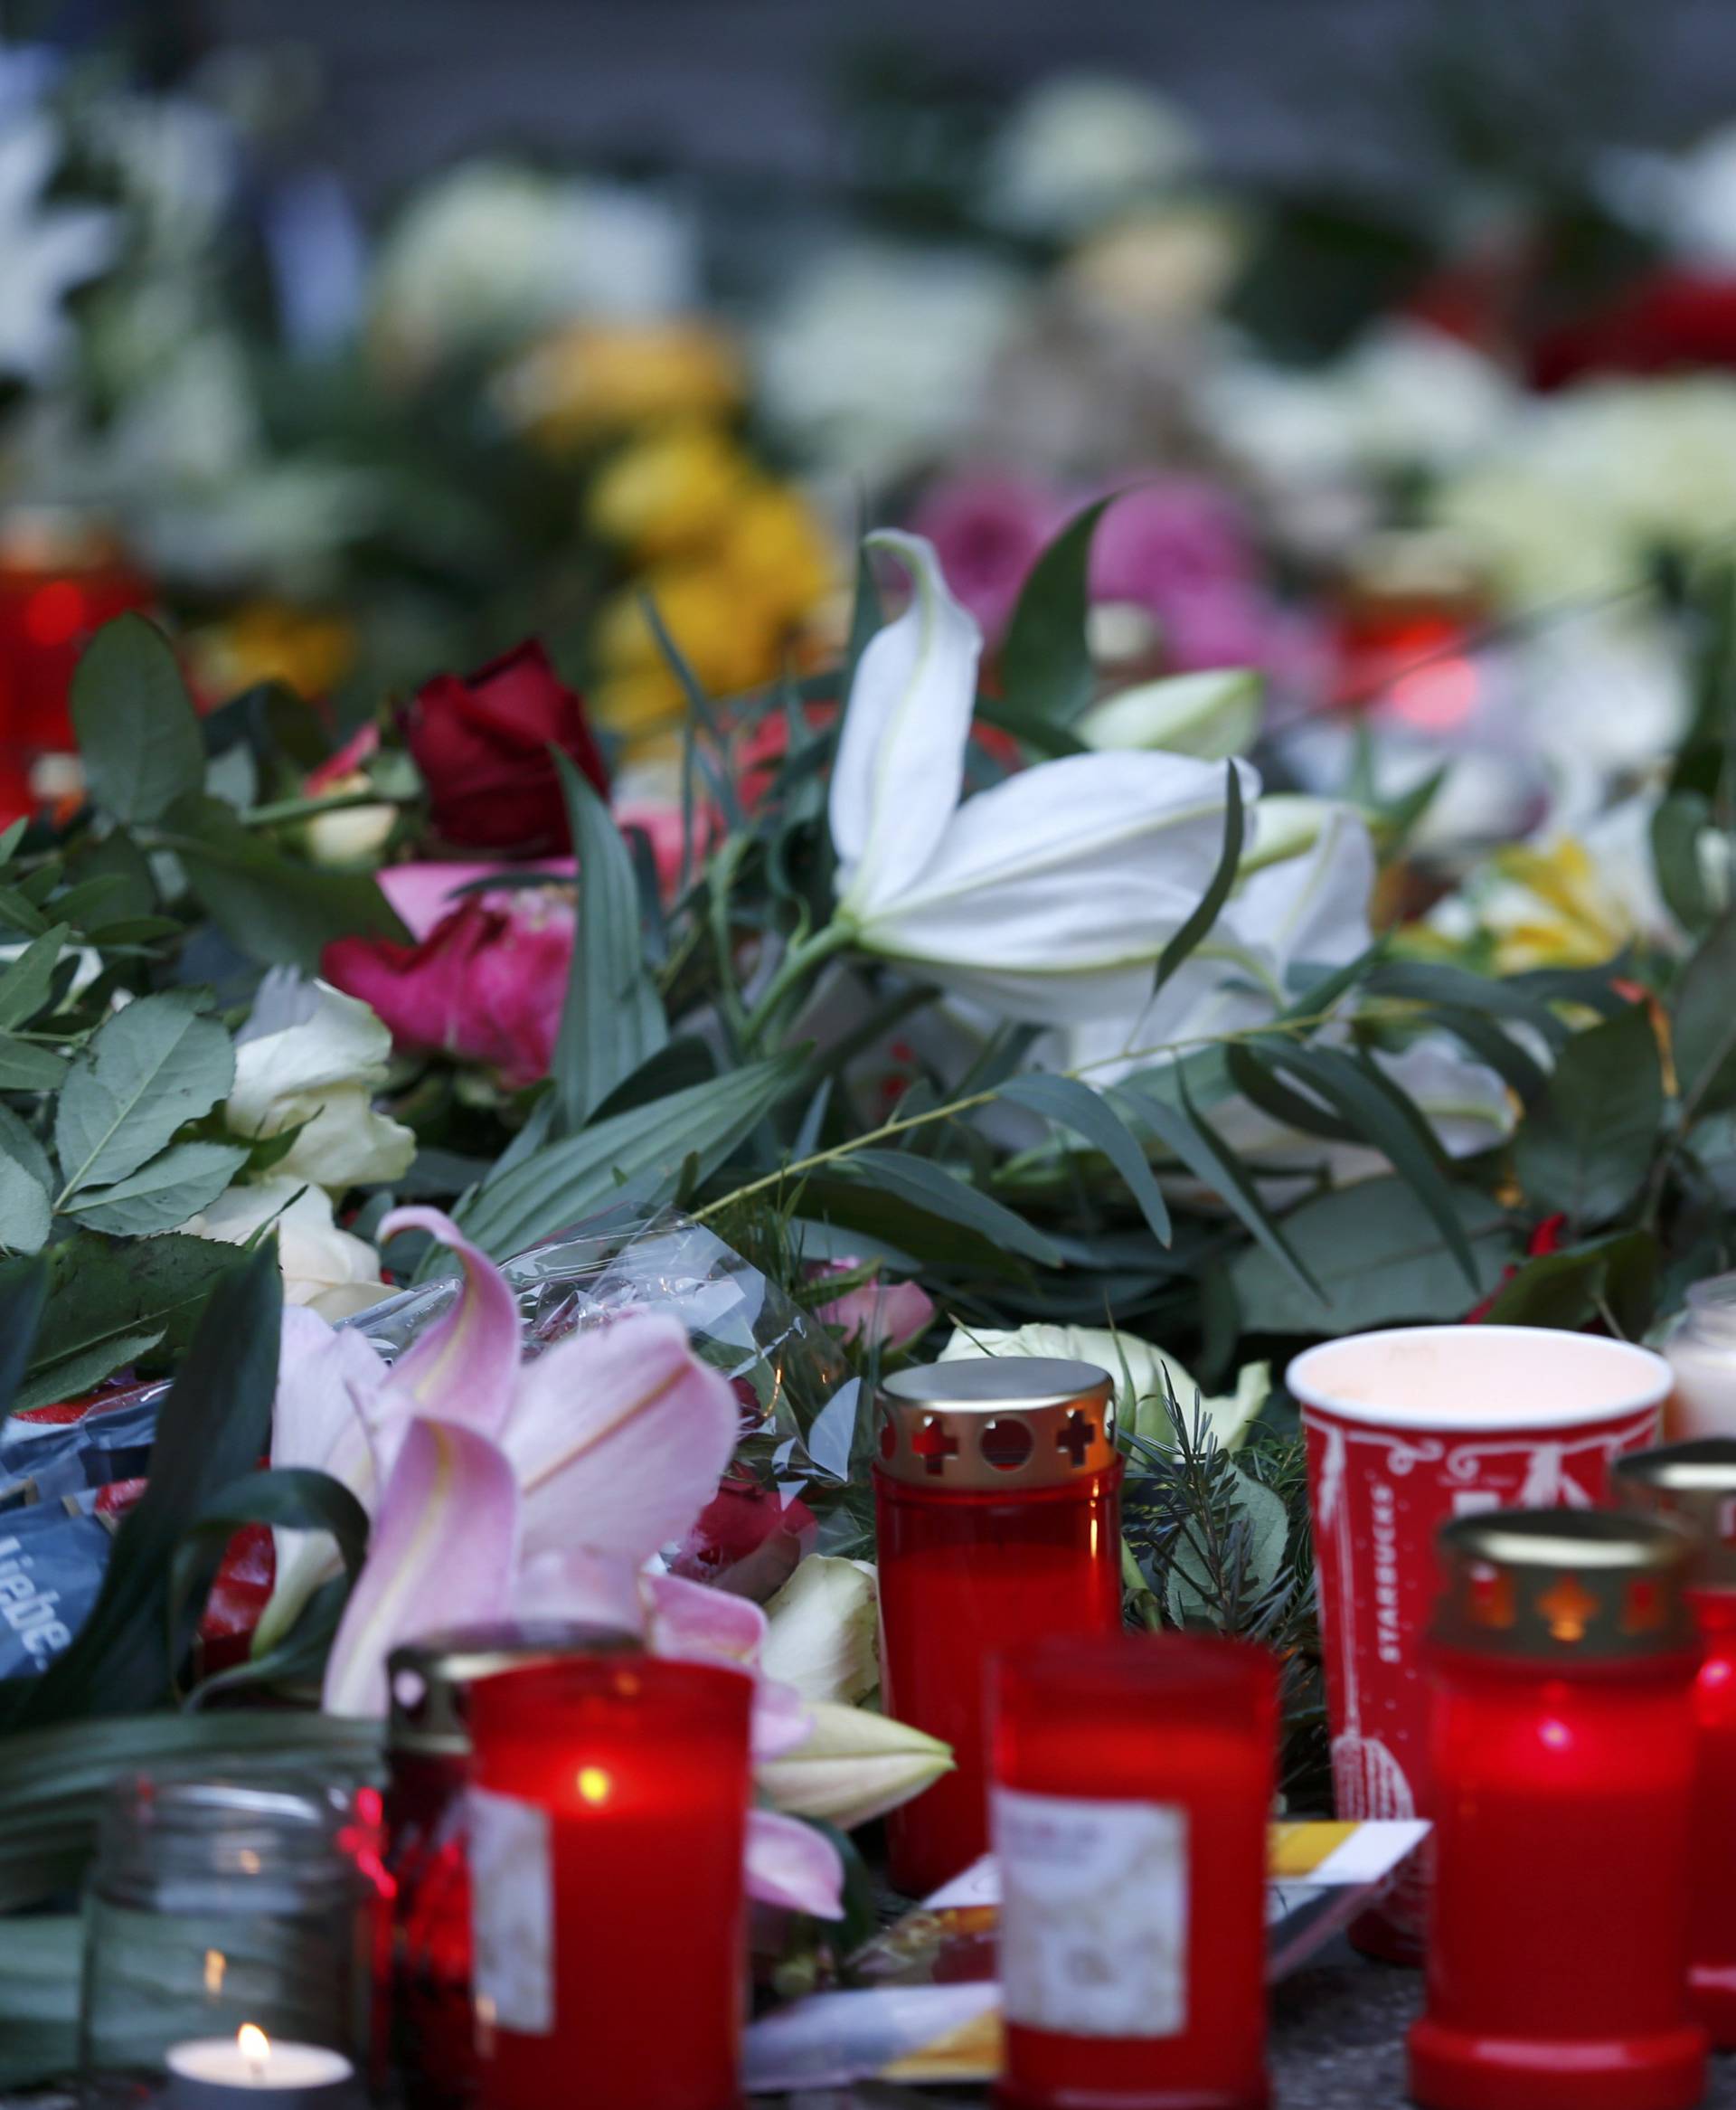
(1695, 1485)
(1561, 1755)
(997, 1513)
(607, 1813)
(1133, 1783)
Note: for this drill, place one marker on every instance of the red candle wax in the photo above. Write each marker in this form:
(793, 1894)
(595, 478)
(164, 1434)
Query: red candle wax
(1695, 1485)
(1133, 1781)
(997, 1512)
(607, 1825)
(1562, 1762)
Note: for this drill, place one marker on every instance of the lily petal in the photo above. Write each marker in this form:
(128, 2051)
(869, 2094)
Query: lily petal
(1213, 715)
(704, 1624)
(444, 1546)
(600, 1589)
(465, 1367)
(620, 1435)
(887, 1315)
(822, 1631)
(901, 754)
(790, 1864)
(854, 1767)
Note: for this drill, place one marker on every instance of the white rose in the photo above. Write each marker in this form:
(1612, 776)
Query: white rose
(329, 1270)
(311, 1055)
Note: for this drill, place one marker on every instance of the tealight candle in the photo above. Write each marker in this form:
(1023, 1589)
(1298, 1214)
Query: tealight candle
(232, 2073)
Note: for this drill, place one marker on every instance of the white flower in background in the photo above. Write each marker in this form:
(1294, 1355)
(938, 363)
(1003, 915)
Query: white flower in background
(1160, 268)
(1213, 715)
(45, 250)
(491, 255)
(876, 356)
(1595, 700)
(1079, 147)
(1688, 199)
(1571, 502)
(821, 1636)
(1138, 1367)
(1049, 896)
(330, 1271)
(1406, 396)
(311, 1055)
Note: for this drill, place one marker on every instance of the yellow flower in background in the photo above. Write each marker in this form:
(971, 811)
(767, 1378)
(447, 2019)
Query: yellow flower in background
(775, 548)
(592, 380)
(637, 706)
(1575, 901)
(669, 490)
(269, 640)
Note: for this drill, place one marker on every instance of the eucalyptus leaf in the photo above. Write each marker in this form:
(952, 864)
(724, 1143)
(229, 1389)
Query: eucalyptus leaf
(164, 1193)
(1076, 1106)
(611, 1021)
(1046, 669)
(144, 1072)
(137, 729)
(938, 1191)
(1379, 1256)
(1211, 903)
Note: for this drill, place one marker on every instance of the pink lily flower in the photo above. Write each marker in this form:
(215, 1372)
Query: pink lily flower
(502, 1488)
(888, 1315)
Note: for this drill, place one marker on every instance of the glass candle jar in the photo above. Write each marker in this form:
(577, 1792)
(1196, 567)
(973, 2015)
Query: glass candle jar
(1695, 1485)
(1133, 1782)
(427, 1742)
(998, 1520)
(1701, 1350)
(608, 1815)
(1561, 1756)
(213, 1905)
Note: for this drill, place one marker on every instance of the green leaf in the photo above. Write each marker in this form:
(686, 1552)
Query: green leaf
(265, 903)
(1586, 1148)
(19, 1141)
(24, 1067)
(25, 1213)
(39, 1996)
(135, 721)
(213, 1427)
(1678, 825)
(1379, 1258)
(611, 1021)
(564, 1182)
(163, 1192)
(940, 1192)
(1435, 982)
(1046, 663)
(26, 985)
(1076, 1106)
(139, 1076)
(107, 1305)
(1261, 1518)
(19, 913)
(1211, 903)
(23, 1290)
(1568, 1289)
(1703, 1024)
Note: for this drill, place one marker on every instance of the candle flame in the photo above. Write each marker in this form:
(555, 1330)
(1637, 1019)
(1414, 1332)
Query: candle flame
(593, 1785)
(254, 2046)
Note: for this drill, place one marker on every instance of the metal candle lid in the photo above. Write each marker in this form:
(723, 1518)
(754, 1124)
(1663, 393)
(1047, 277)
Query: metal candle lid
(1573, 1585)
(1692, 1485)
(428, 1680)
(1000, 1422)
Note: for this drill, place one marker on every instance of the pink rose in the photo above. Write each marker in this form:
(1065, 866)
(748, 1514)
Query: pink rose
(486, 984)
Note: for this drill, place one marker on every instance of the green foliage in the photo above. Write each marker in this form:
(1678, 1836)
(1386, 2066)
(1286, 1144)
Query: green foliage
(1046, 671)
(1588, 1144)
(137, 730)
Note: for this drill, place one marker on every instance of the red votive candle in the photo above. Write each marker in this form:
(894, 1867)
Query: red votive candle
(607, 1814)
(998, 1522)
(1561, 1756)
(1133, 1782)
(1695, 1485)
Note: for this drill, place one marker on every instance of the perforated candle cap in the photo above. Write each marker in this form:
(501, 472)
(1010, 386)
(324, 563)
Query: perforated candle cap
(1692, 1485)
(428, 1679)
(1567, 1585)
(996, 1422)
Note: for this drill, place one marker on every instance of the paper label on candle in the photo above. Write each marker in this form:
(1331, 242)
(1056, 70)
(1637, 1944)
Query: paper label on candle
(1094, 1915)
(512, 1912)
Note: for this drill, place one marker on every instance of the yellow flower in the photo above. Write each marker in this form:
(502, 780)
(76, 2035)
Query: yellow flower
(268, 640)
(592, 380)
(638, 705)
(776, 546)
(669, 490)
(1551, 908)
(727, 638)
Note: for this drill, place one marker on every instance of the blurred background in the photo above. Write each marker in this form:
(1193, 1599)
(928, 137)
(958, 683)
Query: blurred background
(360, 343)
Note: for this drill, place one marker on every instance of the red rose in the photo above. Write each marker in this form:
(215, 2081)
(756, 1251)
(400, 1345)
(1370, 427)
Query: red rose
(1668, 323)
(482, 744)
(486, 984)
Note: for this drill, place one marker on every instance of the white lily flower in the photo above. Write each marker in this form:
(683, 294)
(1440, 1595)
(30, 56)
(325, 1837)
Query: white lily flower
(309, 1054)
(821, 1635)
(1213, 715)
(1049, 896)
(1138, 1369)
(854, 1767)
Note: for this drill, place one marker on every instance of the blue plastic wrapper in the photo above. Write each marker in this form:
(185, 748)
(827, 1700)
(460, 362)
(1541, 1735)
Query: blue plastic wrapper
(41, 1461)
(51, 1559)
